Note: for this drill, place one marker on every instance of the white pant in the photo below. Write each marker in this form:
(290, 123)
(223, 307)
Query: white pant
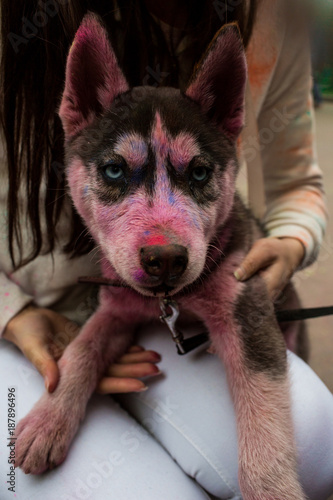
(190, 418)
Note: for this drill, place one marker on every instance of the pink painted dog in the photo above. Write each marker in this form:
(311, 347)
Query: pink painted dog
(152, 173)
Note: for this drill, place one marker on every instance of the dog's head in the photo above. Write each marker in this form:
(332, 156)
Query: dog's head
(152, 170)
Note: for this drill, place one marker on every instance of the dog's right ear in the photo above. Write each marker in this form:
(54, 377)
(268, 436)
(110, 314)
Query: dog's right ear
(218, 82)
(93, 77)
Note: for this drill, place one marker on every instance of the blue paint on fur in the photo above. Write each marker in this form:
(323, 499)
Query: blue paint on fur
(195, 221)
(171, 198)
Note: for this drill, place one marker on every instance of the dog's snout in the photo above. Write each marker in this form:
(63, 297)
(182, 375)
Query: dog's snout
(167, 262)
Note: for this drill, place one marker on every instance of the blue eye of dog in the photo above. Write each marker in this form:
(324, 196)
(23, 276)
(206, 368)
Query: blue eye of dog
(200, 174)
(113, 171)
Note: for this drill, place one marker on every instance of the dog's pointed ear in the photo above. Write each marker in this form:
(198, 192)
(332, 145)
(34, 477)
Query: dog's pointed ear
(218, 81)
(93, 77)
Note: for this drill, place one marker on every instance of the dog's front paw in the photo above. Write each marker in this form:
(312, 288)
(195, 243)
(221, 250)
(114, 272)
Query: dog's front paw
(44, 436)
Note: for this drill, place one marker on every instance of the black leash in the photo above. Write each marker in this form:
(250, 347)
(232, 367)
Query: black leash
(299, 314)
(97, 280)
(170, 314)
(286, 315)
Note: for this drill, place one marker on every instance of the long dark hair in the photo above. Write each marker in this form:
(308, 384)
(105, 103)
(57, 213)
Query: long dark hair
(35, 39)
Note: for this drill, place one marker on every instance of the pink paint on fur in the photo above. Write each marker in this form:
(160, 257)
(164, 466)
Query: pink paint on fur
(183, 149)
(133, 148)
(160, 141)
(157, 239)
(267, 465)
(91, 56)
(146, 223)
(43, 437)
(78, 179)
(219, 83)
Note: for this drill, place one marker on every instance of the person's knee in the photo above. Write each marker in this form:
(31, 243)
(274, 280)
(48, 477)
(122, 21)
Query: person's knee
(312, 406)
(204, 451)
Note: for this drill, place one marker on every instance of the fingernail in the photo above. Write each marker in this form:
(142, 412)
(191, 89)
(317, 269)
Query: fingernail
(142, 389)
(156, 373)
(239, 274)
(47, 383)
(137, 348)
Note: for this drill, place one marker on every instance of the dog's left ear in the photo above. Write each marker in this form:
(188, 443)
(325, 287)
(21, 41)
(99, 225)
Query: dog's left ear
(218, 82)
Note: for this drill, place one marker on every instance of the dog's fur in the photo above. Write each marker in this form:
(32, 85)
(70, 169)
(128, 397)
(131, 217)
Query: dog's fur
(152, 171)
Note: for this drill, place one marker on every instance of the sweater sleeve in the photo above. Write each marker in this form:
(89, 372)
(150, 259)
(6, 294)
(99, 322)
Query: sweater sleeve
(293, 180)
(13, 299)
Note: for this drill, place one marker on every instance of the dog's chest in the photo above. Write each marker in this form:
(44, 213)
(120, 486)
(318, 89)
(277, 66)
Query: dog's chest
(218, 290)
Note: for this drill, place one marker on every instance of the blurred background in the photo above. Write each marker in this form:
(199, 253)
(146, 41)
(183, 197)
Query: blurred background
(322, 50)
(315, 284)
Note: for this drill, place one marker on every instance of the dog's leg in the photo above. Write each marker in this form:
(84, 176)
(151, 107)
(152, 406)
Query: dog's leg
(248, 340)
(44, 435)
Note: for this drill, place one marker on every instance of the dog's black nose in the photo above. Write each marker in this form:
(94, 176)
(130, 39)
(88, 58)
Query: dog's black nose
(167, 262)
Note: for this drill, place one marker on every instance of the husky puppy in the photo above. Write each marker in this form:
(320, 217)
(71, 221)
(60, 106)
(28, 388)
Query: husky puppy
(152, 173)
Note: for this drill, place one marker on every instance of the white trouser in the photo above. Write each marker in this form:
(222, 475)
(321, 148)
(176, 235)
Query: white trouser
(190, 418)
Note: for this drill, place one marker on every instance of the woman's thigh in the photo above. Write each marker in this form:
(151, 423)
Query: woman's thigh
(111, 457)
(188, 409)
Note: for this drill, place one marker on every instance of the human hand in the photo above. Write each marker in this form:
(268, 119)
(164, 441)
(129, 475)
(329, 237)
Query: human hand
(276, 259)
(123, 375)
(42, 335)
